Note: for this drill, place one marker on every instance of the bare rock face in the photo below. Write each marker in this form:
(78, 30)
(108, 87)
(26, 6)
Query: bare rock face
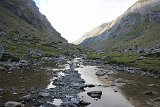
(132, 24)
(28, 11)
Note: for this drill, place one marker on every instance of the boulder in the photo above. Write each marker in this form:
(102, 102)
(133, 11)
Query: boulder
(12, 104)
(100, 73)
(84, 103)
(95, 94)
(78, 86)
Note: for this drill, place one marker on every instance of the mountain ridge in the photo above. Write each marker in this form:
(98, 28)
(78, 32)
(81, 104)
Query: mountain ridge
(27, 34)
(128, 27)
(29, 12)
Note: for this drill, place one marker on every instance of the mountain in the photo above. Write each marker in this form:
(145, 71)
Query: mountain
(24, 30)
(138, 27)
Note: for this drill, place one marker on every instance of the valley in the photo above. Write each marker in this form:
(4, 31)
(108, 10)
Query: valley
(115, 65)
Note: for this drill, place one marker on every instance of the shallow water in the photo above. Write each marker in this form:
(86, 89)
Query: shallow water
(19, 82)
(109, 98)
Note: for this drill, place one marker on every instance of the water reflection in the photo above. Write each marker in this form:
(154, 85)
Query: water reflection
(109, 98)
(17, 83)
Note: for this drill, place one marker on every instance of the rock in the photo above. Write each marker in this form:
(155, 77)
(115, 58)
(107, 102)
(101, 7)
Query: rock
(68, 104)
(37, 104)
(84, 103)
(12, 104)
(44, 94)
(95, 94)
(2, 34)
(1, 51)
(36, 52)
(113, 84)
(78, 86)
(152, 85)
(26, 98)
(2, 69)
(119, 68)
(100, 73)
(104, 58)
(2, 91)
(75, 101)
(156, 99)
(115, 91)
(148, 93)
(90, 85)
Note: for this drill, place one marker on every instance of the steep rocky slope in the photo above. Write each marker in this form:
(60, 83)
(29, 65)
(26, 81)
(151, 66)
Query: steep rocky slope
(24, 32)
(138, 27)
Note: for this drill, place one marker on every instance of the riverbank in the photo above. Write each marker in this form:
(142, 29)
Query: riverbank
(67, 82)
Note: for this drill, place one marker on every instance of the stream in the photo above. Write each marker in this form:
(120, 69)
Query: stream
(64, 84)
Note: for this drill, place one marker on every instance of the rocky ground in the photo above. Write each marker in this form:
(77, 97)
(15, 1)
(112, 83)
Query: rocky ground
(68, 84)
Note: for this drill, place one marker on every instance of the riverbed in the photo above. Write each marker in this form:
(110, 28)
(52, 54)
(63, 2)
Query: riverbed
(53, 84)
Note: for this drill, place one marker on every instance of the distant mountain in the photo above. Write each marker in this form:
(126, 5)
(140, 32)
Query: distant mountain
(138, 27)
(24, 30)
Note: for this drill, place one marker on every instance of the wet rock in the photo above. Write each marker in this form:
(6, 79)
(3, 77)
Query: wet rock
(12, 104)
(95, 94)
(113, 84)
(84, 103)
(115, 91)
(148, 93)
(90, 85)
(81, 81)
(100, 73)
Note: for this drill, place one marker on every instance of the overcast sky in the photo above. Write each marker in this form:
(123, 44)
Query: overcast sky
(73, 18)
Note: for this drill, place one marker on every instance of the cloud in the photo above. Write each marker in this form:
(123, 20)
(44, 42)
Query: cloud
(72, 18)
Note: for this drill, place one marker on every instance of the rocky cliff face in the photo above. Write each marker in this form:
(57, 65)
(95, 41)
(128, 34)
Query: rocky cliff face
(27, 34)
(139, 26)
(29, 12)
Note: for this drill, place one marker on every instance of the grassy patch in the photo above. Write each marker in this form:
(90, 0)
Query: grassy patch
(148, 63)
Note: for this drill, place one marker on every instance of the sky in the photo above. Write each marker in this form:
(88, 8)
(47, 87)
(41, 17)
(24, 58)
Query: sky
(73, 18)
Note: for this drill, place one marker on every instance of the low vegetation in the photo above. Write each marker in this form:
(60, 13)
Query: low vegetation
(146, 63)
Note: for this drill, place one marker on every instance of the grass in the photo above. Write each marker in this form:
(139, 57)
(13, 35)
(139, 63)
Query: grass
(21, 37)
(147, 63)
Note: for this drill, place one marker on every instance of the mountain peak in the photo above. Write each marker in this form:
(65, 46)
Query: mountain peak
(140, 23)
